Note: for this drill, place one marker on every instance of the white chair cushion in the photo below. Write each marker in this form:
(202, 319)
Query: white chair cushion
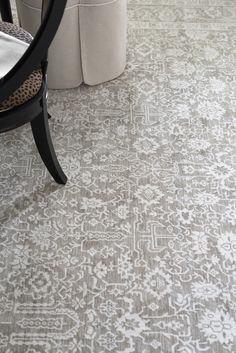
(33, 83)
(11, 50)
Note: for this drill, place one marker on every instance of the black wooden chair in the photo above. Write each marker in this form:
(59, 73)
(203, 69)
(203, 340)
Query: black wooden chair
(23, 90)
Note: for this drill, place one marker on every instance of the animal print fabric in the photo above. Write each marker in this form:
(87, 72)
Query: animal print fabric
(137, 253)
(15, 31)
(32, 85)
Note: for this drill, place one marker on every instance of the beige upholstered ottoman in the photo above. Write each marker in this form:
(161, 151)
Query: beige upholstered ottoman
(90, 45)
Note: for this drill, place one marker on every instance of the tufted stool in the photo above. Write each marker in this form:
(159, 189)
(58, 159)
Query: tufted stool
(90, 44)
(33, 84)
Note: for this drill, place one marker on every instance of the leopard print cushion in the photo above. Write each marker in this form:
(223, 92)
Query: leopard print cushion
(15, 31)
(33, 83)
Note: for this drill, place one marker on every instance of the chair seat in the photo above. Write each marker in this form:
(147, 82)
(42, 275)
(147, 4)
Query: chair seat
(34, 82)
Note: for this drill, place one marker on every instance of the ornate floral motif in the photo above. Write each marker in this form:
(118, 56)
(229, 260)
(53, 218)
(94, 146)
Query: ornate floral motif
(149, 194)
(157, 283)
(218, 326)
(131, 325)
(227, 246)
(205, 290)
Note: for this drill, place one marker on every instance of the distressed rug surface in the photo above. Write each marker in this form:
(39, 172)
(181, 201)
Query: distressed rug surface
(137, 254)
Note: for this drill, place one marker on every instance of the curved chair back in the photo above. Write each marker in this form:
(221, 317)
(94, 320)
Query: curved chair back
(36, 53)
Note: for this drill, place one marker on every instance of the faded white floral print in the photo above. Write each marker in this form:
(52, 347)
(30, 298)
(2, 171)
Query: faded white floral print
(218, 326)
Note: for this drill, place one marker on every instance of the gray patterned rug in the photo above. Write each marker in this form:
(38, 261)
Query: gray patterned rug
(137, 254)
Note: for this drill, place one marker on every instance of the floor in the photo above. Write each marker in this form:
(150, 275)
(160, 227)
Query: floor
(137, 254)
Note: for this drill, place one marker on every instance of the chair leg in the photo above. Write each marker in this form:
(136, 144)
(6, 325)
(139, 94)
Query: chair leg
(42, 137)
